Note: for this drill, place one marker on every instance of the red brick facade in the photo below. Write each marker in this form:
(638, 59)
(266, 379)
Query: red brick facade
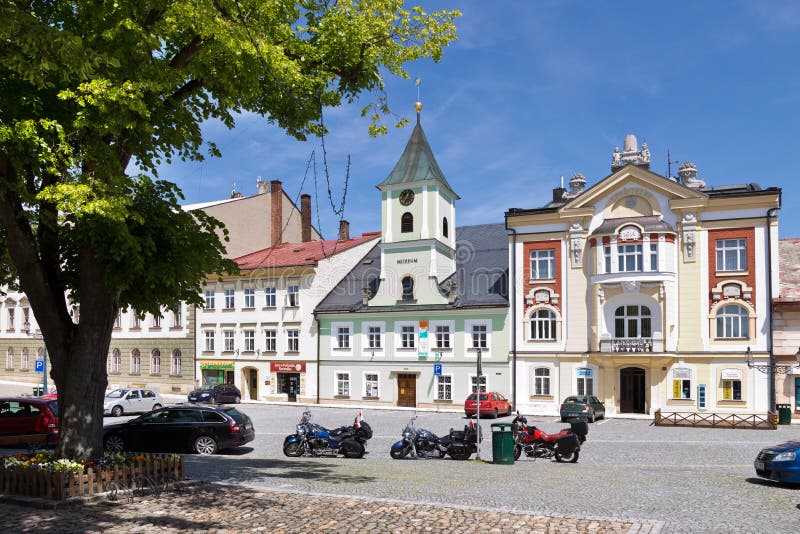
(714, 274)
(555, 283)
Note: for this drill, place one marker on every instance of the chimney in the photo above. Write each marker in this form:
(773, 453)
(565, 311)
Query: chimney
(305, 217)
(275, 212)
(344, 230)
(558, 194)
(263, 186)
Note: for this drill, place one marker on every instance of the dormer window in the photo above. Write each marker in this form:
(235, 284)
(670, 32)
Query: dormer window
(408, 288)
(444, 226)
(406, 223)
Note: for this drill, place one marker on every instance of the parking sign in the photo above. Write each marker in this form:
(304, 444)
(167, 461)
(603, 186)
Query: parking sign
(39, 366)
(437, 369)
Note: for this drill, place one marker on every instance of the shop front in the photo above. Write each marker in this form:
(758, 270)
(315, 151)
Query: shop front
(216, 372)
(289, 379)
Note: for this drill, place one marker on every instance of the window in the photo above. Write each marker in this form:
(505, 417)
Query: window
(230, 301)
(543, 325)
(442, 337)
(26, 318)
(250, 340)
(293, 296)
(209, 304)
(155, 362)
(136, 362)
(681, 389)
(343, 337)
(371, 385)
(343, 384)
(177, 318)
(227, 341)
(407, 337)
(24, 363)
(731, 254)
(10, 319)
(269, 297)
(444, 388)
(585, 385)
(479, 336)
(632, 321)
(249, 297)
(209, 335)
(629, 258)
(135, 323)
(406, 223)
(543, 264)
(408, 288)
(116, 361)
(541, 381)
(474, 384)
(156, 321)
(293, 339)
(444, 227)
(653, 256)
(374, 337)
(118, 321)
(271, 340)
(731, 390)
(732, 322)
(10, 358)
(607, 258)
(175, 368)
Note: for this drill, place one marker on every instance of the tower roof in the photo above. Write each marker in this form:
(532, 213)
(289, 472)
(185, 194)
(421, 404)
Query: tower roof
(417, 164)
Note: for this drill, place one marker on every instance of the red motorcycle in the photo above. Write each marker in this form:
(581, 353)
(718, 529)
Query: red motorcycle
(565, 446)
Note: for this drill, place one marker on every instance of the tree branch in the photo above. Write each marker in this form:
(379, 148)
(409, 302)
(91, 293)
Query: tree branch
(187, 53)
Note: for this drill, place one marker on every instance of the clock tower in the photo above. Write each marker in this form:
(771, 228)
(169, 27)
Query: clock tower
(417, 227)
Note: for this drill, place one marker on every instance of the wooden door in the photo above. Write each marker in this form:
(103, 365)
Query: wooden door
(407, 390)
(632, 390)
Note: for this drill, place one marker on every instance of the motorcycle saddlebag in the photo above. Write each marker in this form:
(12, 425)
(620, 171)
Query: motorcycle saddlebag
(579, 425)
(567, 444)
(364, 431)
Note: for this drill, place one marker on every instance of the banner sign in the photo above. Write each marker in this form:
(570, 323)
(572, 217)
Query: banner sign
(423, 340)
(217, 364)
(585, 373)
(682, 373)
(731, 374)
(287, 367)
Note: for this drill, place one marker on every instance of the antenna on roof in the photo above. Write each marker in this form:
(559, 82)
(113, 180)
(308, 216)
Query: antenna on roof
(669, 164)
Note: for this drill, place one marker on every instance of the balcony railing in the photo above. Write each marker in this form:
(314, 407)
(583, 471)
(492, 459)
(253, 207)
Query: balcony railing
(630, 344)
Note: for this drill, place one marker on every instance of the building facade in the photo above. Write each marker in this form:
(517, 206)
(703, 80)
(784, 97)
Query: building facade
(645, 291)
(786, 327)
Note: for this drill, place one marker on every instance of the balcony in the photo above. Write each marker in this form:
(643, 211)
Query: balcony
(631, 344)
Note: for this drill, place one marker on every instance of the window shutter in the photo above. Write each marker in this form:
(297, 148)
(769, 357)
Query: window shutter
(726, 390)
(676, 389)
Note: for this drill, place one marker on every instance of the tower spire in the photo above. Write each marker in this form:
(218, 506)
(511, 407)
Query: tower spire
(418, 103)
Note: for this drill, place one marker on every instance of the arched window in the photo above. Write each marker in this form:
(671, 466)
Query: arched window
(732, 322)
(136, 362)
(444, 227)
(543, 325)
(175, 370)
(155, 362)
(541, 381)
(633, 321)
(24, 364)
(10, 358)
(407, 223)
(116, 361)
(408, 288)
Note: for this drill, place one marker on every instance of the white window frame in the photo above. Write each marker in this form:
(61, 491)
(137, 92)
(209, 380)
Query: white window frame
(293, 295)
(653, 256)
(176, 365)
(270, 297)
(156, 322)
(209, 337)
(368, 337)
(342, 336)
(136, 361)
(210, 300)
(473, 382)
(543, 264)
(550, 324)
(230, 298)
(25, 362)
(116, 361)
(155, 362)
(10, 358)
(249, 336)
(292, 340)
(471, 333)
(586, 380)
(338, 381)
(448, 387)
(735, 248)
(228, 340)
(367, 390)
(729, 321)
(673, 379)
(542, 384)
(271, 339)
(626, 251)
(733, 390)
(177, 318)
(435, 335)
(402, 336)
(249, 297)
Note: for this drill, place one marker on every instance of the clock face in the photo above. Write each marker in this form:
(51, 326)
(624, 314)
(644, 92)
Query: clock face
(406, 197)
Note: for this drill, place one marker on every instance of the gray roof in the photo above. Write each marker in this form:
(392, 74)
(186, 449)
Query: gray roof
(481, 272)
(650, 223)
(417, 163)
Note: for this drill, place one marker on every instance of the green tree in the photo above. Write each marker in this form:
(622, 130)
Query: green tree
(87, 86)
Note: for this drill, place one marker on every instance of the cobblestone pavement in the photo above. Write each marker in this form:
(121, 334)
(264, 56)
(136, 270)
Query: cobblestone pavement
(234, 509)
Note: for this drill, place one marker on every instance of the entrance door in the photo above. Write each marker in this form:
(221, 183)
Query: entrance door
(632, 390)
(407, 390)
(253, 381)
(289, 383)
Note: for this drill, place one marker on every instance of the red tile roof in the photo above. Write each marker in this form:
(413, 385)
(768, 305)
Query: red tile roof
(789, 253)
(292, 254)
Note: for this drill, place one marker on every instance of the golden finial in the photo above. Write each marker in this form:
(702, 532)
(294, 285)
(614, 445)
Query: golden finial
(418, 106)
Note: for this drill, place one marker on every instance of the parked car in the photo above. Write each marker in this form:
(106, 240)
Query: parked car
(28, 422)
(587, 406)
(780, 463)
(216, 393)
(492, 404)
(200, 429)
(122, 401)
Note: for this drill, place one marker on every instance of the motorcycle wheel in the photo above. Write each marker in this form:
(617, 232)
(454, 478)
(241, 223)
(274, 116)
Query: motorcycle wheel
(571, 458)
(352, 449)
(399, 453)
(517, 452)
(293, 449)
(460, 455)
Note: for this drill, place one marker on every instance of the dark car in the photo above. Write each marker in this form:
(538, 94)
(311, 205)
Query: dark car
(780, 463)
(216, 393)
(200, 429)
(28, 421)
(587, 406)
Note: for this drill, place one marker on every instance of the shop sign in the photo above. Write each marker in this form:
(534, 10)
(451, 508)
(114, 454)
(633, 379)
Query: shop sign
(584, 373)
(287, 367)
(731, 374)
(221, 365)
(682, 373)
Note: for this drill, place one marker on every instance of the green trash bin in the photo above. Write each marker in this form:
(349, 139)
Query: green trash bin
(784, 414)
(502, 443)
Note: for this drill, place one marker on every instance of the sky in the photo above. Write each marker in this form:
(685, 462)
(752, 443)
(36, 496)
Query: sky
(535, 90)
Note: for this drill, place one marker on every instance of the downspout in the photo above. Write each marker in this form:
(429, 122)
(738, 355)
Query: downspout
(316, 320)
(771, 375)
(513, 298)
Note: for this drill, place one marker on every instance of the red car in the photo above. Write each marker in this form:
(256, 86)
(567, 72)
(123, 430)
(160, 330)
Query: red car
(492, 404)
(28, 421)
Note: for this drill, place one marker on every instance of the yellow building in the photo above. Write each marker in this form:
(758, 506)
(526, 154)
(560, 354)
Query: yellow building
(645, 291)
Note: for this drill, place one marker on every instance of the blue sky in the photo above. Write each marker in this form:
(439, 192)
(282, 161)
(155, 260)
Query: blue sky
(535, 90)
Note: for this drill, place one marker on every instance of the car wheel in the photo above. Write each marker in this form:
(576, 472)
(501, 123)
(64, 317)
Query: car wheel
(116, 411)
(592, 418)
(205, 445)
(156, 406)
(114, 443)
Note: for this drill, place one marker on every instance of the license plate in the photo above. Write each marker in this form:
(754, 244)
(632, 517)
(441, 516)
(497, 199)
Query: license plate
(760, 466)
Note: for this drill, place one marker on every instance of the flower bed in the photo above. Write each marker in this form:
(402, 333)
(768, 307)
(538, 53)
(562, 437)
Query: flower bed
(42, 475)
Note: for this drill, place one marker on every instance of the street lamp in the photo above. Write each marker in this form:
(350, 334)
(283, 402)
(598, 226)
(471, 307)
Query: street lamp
(771, 370)
(26, 327)
(478, 398)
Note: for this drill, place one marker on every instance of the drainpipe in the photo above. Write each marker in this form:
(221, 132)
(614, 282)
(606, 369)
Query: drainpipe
(771, 375)
(316, 320)
(513, 298)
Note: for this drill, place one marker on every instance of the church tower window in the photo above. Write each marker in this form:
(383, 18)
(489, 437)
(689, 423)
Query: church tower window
(444, 227)
(406, 223)
(408, 288)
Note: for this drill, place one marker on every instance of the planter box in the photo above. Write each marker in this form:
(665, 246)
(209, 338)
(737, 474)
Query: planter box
(154, 468)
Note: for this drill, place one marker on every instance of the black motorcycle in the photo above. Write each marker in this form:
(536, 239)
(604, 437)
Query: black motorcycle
(418, 442)
(348, 440)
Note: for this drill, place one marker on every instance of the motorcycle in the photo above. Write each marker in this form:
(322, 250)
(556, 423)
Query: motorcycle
(564, 446)
(422, 443)
(348, 440)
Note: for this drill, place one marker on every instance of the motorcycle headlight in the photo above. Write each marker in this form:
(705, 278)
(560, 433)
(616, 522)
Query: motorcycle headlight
(407, 434)
(788, 456)
(301, 429)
